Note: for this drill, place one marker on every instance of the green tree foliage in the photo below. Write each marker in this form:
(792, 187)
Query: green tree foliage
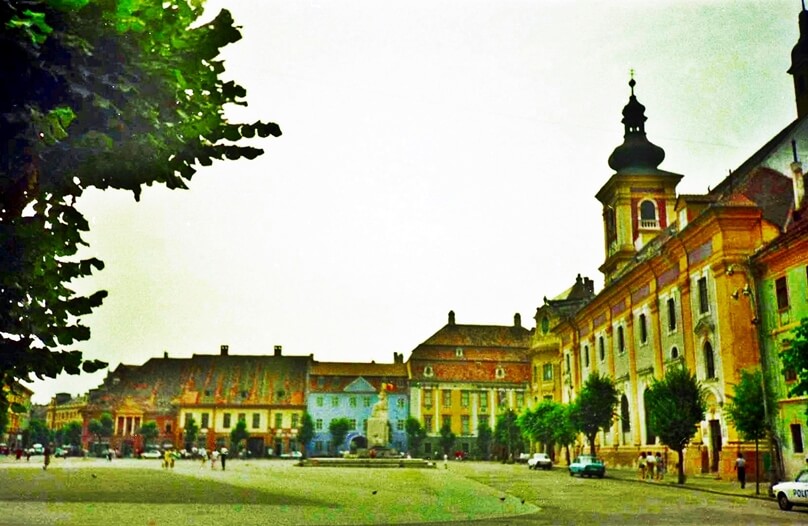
(508, 435)
(103, 94)
(38, 432)
(447, 439)
(485, 437)
(191, 431)
(748, 409)
(101, 427)
(415, 434)
(306, 432)
(676, 405)
(149, 432)
(338, 428)
(536, 425)
(71, 434)
(594, 408)
(795, 358)
(564, 432)
(239, 436)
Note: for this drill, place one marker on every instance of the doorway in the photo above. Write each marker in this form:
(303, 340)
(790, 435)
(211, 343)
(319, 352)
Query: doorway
(715, 443)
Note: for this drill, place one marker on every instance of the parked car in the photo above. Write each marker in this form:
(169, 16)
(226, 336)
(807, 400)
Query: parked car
(587, 466)
(4, 449)
(792, 493)
(37, 449)
(292, 454)
(539, 460)
(151, 453)
(523, 458)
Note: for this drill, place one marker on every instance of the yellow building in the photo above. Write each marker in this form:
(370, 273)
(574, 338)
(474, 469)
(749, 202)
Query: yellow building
(20, 395)
(64, 409)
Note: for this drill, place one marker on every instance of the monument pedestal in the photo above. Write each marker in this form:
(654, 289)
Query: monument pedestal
(378, 433)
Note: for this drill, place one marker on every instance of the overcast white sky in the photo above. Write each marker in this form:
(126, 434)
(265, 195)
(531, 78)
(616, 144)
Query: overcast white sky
(436, 156)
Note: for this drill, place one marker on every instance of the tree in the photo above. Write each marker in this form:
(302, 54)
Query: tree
(104, 94)
(306, 432)
(564, 432)
(594, 408)
(415, 434)
(536, 425)
(676, 405)
(191, 430)
(747, 411)
(484, 438)
(38, 432)
(101, 427)
(447, 438)
(149, 432)
(239, 435)
(795, 359)
(338, 428)
(71, 434)
(507, 434)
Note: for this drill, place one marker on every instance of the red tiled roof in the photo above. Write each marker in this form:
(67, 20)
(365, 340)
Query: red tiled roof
(481, 336)
(468, 371)
(358, 369)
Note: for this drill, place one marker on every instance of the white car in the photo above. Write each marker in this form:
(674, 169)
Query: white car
(791, 493)
(151, 453)
(539, 460)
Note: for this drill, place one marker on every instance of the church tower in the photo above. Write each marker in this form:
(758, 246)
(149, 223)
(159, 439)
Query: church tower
(638, 199)
(799, 65)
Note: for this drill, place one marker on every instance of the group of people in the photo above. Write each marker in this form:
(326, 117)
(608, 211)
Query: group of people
(214, 456)
(651, 466)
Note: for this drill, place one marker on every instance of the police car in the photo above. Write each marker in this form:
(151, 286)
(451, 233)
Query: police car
(790, 493)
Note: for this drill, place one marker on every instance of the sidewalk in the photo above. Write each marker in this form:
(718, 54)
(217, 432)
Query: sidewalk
(699, 482)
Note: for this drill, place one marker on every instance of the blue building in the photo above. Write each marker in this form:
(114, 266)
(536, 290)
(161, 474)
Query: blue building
(349, 390)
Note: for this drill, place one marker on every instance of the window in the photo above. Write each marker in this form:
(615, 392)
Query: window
(168, 428)
(671, 314)
(318, 445)
(535, 372)
(367, 401)
(621, 341)
(318, 424)
(547, 371)
(242, 417)
(245, 394)
(428, 398)
(643, 329)
(446, 397)
(674, 353)
(295, 420)
(464, 398)
(400, 403)
(602, 349)
(500, 372)
(625, 416)
(704, 301)
(781, 288)
(353, 423)
(459, 352)
(226, 421)
(205, 421)
(586, 356)
(188, 418)
(352, 401)
(446, 421)
(278, 420)
(428, 423)
(465, 427)
(399, 425)
(502, 398)
(569, 367)
(256, 420)
(365, 425)
(520, 399)
(648, 216)
(321, 382)
(483, 401)
(790, 375)
(428, 371)
(334, 401)
(796, 438)
(709, 360)
(319, 401)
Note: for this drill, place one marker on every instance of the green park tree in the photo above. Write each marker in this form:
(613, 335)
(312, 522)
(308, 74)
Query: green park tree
(676, 406)
(38, 432)
(485, 437)
(191, 431)
(305, 433)
(101, 427)
(106, 94)
(149, 432)
(447, 439)
(795, 358)
(71, 434)
(508, 435)
(564, 431)
(594, 408)
(338, 428)
(415, 434)
(747, 411)
(536, 425)
(239, 436)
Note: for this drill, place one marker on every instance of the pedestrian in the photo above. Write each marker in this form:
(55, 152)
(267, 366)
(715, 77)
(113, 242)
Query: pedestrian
(214, 456)
(660, 466)
(166, 459)
(18, 453)
(641, 464)
(47, 453)
(223, 457)
(28, 455)
(650, 461)
(445, 461)
(740, 467)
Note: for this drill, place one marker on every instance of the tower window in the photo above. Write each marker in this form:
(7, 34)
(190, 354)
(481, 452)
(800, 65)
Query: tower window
(602, 349)
(671, 314)
(781, 288)
(709, 360)
(586, 356)
(643, 329)
(704, 302)
(648, 215)
(621, 341)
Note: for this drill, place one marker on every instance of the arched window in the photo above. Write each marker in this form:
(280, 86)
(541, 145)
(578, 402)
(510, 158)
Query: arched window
(625, 416)
(643, 329)
(586, 356)
(709, 360)
(650, 438)
(602, 349)
(648, 215)
(674, 353)
(621, 342)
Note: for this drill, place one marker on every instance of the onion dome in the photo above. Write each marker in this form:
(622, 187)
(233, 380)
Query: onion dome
(636, 151)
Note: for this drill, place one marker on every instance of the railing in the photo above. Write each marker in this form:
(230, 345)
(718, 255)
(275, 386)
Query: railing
(649, 224)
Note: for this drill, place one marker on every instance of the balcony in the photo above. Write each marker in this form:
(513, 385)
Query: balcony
(649, 224)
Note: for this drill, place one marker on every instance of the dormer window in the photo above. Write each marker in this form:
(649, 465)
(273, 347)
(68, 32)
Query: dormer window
(648, 215)
(428, 372)
(500, 372)
(459, 352)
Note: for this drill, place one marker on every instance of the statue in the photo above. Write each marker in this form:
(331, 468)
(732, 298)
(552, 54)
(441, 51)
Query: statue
(378, 432)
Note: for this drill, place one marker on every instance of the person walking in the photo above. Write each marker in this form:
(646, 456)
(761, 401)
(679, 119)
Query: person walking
(47, 453)
(660, 466)
(223, 457)
(214, 456)
(740, 467)
(650, 461)
(641, 464)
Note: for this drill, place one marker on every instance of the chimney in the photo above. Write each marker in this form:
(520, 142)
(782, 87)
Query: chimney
(224, 349)
(798, 178)
(517, 320)
(398, 357)
(278, 350)
(589, 285)
(451, 317)
(165, 354)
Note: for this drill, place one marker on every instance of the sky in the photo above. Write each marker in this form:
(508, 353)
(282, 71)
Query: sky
(435, 156)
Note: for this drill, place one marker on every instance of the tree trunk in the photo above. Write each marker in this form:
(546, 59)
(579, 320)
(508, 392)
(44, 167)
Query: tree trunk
(592, 443)
(680, 465)
(757, 469)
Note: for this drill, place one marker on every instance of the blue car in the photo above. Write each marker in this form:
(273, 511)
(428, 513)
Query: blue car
(587, 466)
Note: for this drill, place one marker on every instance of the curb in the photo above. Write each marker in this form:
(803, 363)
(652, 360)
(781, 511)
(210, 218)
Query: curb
(697, 488)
